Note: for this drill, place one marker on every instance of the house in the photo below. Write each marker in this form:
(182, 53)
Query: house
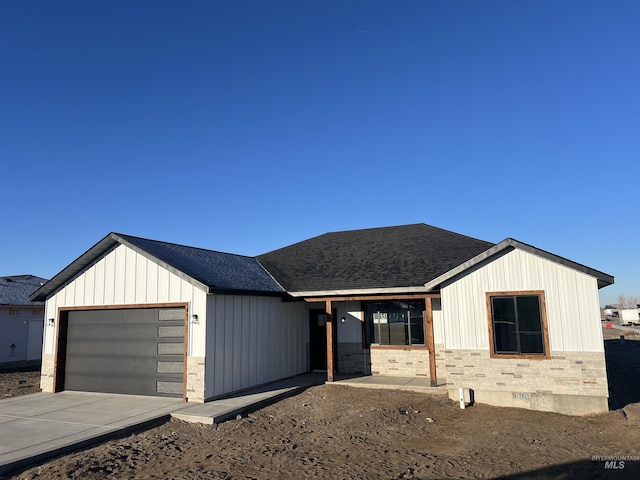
(513, 324)
(21, 320)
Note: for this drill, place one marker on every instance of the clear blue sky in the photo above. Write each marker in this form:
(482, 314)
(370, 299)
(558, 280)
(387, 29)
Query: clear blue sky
(245, 126)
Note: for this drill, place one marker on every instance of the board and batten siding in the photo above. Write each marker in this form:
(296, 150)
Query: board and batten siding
(573, 311)
(438, 327)
(349, 331)
(252, 340)
(124, 277)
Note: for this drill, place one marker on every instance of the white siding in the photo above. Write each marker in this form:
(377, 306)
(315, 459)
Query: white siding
(573, 314)
(253, 340)
(124, 277)
(438, 327)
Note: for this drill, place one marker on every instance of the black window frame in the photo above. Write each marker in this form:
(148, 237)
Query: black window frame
(520, 309)
(412, 306)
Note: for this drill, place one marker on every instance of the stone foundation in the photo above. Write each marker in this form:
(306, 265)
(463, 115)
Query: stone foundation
(573, 383)
(440, 362)
(195, 379)
(400, 361)
(46, 372)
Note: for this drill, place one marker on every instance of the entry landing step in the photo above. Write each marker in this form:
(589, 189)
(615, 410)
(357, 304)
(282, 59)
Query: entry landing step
(391, 382)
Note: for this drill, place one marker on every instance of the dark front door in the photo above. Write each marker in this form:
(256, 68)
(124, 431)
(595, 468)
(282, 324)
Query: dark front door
(318, 334)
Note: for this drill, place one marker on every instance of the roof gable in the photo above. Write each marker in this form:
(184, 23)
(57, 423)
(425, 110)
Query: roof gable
(217, 271)
(370, 259)
(510, 243)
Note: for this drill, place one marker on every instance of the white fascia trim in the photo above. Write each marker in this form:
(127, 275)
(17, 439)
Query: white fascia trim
(361, 291)
(603, 278)
(468, 264)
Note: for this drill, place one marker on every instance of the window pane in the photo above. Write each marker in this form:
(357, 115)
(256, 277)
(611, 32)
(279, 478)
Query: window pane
(530, 324)
(505, 338)
(398, 333)
(529, 314)
(531, 343)
(504, 324)
(388, 322)
(417, 330)
(396, 314)
(504, 310)
(371, 330)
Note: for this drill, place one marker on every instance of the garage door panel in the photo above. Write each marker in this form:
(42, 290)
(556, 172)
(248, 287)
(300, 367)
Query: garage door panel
(125, 366)
(122, 332)
(134, 351)
(128, 385)
(87, 348)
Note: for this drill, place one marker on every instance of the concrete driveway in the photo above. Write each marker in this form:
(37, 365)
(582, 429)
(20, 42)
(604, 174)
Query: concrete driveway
(42, 425)
(39, 426)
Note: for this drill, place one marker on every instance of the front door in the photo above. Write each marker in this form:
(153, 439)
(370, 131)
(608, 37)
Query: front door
(318, 337)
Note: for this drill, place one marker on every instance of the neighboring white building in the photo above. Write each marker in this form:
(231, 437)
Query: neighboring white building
(508, 322)
(21, 319)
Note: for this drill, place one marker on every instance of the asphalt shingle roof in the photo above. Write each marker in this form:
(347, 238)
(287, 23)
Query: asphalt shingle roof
(16, 289)
(402, 256)
(217, 270)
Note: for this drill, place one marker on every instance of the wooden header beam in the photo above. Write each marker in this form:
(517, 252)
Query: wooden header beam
(364, 298)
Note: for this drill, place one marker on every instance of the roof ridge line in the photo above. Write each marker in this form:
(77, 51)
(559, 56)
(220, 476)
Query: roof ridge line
(125, 235)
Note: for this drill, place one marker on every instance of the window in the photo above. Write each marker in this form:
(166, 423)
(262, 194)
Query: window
(395, 322)
(517, 324)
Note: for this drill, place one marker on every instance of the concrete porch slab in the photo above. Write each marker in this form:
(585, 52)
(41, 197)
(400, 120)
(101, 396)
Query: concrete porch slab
(414, 384)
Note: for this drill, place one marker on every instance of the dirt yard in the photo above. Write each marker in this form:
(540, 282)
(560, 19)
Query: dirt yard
(20, 383)
(334, 431)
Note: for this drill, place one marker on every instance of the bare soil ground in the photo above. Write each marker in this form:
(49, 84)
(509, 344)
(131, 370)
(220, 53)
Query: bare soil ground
(332, 431)
(19, 383)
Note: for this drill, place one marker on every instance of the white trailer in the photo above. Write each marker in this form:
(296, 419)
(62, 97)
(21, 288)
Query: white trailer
(629, 316)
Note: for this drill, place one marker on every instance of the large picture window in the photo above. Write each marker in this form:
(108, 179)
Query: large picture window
(517, 324)
(395, 322)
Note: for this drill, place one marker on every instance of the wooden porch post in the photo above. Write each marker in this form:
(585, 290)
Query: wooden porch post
(431, 342)
(330, 367)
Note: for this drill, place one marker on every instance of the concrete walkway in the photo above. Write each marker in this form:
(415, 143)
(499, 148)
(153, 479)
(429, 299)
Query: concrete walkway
(36, 427)
(222, 409)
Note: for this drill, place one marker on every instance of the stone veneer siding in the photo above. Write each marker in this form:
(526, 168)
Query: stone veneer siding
(440, 362)
(46, 373)
(581, 377)
(400, 361)
(195, 379)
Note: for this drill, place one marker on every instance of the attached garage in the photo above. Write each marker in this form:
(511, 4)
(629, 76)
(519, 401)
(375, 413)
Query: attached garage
(143, 317)
(139, 351)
